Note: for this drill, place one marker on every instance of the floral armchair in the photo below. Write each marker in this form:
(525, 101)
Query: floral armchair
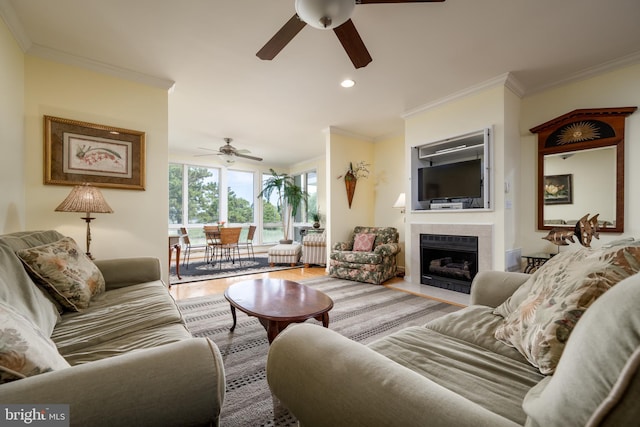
(368, 256)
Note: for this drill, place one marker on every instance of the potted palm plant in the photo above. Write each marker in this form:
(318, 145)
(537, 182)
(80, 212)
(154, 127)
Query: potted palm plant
(290, 197)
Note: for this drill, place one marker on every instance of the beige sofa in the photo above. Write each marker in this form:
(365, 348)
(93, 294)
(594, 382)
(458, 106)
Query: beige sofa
(453, 371)
(128, 359)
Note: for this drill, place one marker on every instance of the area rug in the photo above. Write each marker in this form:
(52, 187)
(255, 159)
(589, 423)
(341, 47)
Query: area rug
(361, 312)
(201, 270)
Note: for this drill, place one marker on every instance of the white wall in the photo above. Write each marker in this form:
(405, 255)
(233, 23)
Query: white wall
(138, 226)
(619, 88)
(12, 196)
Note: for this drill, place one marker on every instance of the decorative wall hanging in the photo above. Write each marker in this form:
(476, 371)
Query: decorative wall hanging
(104, 156)
(351, 177)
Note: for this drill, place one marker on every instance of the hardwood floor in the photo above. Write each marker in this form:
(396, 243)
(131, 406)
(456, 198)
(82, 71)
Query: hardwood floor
(217, 286)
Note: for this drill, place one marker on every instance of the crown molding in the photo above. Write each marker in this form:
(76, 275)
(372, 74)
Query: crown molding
(9, 16)
(631, 59)
(507, 79)
(332, 130)
(100, 67)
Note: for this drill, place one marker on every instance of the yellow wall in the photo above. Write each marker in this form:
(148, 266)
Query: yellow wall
(619, 88)
(138, 226)
(342, 149)
(485, 109)
(12, 202)
(389, 181)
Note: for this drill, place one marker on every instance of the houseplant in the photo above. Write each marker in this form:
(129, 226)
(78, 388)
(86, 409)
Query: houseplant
(316, 219)
(290, 197)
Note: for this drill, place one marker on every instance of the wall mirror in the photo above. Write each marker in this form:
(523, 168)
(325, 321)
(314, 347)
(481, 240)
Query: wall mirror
(581, 168)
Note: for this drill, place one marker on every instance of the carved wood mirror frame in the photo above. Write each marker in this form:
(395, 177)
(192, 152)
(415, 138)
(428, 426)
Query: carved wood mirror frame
(584, 129)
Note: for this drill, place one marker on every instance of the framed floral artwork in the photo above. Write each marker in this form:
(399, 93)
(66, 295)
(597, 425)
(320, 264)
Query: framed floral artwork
(104, 156)
(558, 190)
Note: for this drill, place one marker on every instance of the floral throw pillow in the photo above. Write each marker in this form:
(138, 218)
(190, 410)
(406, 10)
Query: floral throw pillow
(65, 272)
(363, 242)
(24, 350)
(559, 294)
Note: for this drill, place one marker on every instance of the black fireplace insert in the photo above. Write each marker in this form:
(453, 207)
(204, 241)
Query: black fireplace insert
(448, 261)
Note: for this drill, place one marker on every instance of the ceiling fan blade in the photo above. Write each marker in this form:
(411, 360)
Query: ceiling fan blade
(248, 157)
(353, 44)
(281, 38)
(397, 1)
(204, 155)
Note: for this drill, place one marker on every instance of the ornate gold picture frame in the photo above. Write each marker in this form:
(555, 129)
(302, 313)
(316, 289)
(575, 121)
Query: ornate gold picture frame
(105, 156)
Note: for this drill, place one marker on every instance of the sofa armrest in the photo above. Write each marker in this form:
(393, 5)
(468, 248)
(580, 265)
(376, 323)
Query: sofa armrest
(343, 246)
(122, 272)
(326, 379)
(181, 383)
(492, 288)
(387, 249)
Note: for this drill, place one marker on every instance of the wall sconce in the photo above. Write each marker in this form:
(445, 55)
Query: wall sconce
(400, 203)
(88, 199)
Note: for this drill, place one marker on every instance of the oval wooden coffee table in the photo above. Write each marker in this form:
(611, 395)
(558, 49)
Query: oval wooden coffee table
(278, 303)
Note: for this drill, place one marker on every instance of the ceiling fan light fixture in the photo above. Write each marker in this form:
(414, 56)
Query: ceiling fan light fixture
(228, 158)
(325, 14)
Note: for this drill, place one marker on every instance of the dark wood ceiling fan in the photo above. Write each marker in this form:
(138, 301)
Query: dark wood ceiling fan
(327, 14)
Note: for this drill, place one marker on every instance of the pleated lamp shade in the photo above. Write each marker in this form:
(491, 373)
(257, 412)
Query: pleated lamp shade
(84, 198)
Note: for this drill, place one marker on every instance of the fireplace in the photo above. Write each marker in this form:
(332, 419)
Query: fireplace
(449, 262)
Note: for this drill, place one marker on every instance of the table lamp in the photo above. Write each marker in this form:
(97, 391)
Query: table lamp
(85, 198)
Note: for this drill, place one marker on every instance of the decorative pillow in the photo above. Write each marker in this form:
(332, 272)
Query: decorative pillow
(363, 242)
(560, 292)
(65, 272)
(24, 350)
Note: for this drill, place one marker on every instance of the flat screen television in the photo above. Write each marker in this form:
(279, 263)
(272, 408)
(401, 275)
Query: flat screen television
(460, 180)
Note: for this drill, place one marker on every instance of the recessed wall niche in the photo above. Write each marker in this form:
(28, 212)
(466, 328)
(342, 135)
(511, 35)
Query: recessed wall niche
(452, 174)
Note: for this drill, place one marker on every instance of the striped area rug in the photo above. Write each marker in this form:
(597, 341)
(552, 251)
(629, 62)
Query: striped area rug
(361, 312)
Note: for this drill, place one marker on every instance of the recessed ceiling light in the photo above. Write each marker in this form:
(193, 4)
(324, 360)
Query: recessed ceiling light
(347, 83)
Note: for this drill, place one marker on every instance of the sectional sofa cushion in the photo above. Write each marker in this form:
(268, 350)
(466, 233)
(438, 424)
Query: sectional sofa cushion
(598, 367)
(17, 288)
(138, 307)
(65, 272)
(462, 360)
(558, 296)
(24, 350)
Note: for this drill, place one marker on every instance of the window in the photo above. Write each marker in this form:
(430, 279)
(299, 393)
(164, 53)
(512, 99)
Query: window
(175, 194)
(194, 194)
(203, 202)
(240, 197)
(271, 219)
(308, 181)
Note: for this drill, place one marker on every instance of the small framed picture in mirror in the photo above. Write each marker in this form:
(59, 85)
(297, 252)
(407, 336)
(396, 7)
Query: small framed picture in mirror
(558, 189)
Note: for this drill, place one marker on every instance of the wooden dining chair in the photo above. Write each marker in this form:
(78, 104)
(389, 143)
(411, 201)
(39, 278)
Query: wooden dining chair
(248, 243)
(212, 237)
(187, 245)
(229, 245)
